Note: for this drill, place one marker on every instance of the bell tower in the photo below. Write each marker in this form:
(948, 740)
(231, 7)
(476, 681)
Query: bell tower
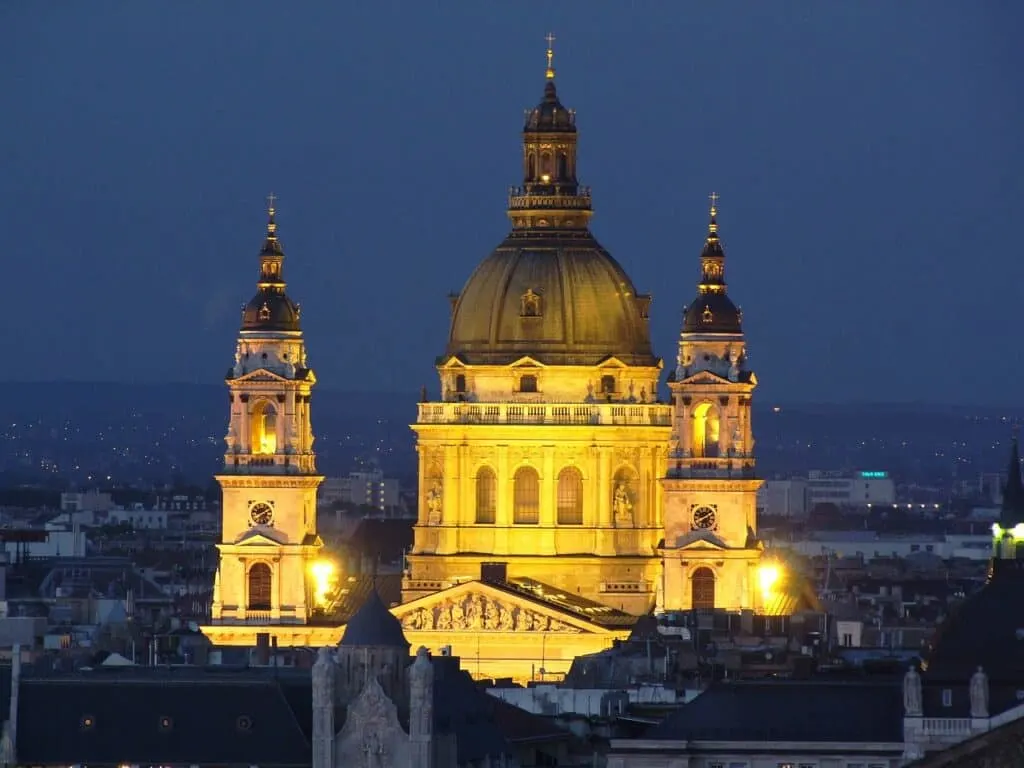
(268, 542)
(711, 552)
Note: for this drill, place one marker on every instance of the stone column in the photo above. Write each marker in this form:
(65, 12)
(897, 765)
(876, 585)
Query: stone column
(503, 506)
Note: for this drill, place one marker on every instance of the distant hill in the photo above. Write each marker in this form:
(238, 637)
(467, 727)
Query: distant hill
(156, 432)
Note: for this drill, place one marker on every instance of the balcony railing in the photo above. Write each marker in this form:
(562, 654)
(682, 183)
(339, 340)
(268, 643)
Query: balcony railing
(946, 726)
(739, 467)
(257, 617)
(521, 198)
(582, 414)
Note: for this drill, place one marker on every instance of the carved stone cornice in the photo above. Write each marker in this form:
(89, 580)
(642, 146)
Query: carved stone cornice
(269, 481)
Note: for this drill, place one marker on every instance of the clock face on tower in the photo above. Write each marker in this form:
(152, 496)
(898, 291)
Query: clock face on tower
(704, 518)
(261, 513)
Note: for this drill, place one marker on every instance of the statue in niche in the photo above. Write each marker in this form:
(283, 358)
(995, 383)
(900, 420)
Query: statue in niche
(590, 392)
(979, 694)
(435, 503)
(737, 441)
(238, 361)
(912, 693)
(622, 505)
(632, 397)
(643, 394)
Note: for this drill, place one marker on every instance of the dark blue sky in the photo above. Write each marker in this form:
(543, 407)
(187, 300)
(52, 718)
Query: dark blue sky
(868, 154)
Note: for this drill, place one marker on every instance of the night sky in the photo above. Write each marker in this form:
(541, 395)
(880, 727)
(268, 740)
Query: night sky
(869, 157)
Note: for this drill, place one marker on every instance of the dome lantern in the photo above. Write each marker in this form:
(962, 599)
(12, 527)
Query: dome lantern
(270, 310)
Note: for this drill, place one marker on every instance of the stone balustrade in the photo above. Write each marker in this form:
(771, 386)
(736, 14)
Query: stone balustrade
(582, 414)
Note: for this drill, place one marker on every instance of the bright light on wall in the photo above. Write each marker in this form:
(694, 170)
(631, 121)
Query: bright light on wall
(323, 573)
(1017, 532)
(768, 575)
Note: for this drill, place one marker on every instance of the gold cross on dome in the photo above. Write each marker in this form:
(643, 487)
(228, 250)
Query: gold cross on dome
(551, 55)
(271, 199)
(713, 197)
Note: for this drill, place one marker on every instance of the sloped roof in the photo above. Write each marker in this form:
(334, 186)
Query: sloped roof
(790, 711)
(154, 720)
(373, 625)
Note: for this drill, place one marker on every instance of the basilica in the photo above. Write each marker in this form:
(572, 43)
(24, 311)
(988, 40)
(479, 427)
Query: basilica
(559, 496)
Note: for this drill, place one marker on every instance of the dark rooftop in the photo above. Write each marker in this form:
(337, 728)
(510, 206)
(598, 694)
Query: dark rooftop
(789, 711)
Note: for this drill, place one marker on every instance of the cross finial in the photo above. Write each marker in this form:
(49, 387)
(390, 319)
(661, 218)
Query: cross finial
(713, 197)
(271, 225)
(551, 55)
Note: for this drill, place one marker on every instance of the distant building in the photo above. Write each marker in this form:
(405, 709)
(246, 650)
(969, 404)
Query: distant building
(783, 498)
(860, 489)
(369, 488)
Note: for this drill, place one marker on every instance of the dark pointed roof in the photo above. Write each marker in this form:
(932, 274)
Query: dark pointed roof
(1013, 491)
(271, 309)
(373, 625)
(712, 311)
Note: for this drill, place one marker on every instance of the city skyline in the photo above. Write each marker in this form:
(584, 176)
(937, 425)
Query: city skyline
(147, 202)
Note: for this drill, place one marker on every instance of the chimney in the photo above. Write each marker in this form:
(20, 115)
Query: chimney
(495, 573)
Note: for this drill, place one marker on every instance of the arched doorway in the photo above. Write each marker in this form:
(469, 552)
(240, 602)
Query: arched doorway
(702, 586)
(260, 582)
(705, 431)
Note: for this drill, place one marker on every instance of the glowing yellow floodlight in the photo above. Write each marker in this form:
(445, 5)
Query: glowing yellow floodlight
(323, 573)
(768, 575)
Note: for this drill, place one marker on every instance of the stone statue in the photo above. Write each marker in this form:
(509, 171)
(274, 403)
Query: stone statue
(590, 392)
(621, 505)
(435, 503)
(912, 693)
(474, 612)
(458, 615)
(979, 694)
(632, 397)
(643, 394)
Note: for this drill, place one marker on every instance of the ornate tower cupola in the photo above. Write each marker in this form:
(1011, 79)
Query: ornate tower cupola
(550, 195)
(271, 309)
(712, 311)
(1008, 532)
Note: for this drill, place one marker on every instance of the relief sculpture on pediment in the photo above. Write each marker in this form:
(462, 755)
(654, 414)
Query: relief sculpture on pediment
(475, 612)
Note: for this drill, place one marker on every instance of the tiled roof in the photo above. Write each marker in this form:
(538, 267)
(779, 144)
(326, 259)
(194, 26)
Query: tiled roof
(789, 711)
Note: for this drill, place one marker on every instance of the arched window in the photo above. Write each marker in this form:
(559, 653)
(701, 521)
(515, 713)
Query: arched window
(705, 431)
(570, 497)
(486, 495)
(526, 496)
(263, 428)
(531, 167)
(260, 582)
(702, 585)
(562, 167)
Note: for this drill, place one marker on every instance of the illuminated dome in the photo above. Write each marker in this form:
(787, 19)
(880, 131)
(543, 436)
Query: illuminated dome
(270, 310)
(550, 291)
(712, 311)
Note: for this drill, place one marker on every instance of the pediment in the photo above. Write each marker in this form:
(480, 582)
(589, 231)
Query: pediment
(704, 540)
(704, 377)
(612, 362)
(453, 362)
(261, 537)
(526, 362)
(260, 375)
(476, 606)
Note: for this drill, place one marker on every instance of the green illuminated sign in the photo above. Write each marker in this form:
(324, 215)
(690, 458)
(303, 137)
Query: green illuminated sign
(870, 475)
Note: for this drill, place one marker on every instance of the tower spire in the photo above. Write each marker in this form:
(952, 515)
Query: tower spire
(271, 225)
(712, 258)
(1013, 490)
(550, 72)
